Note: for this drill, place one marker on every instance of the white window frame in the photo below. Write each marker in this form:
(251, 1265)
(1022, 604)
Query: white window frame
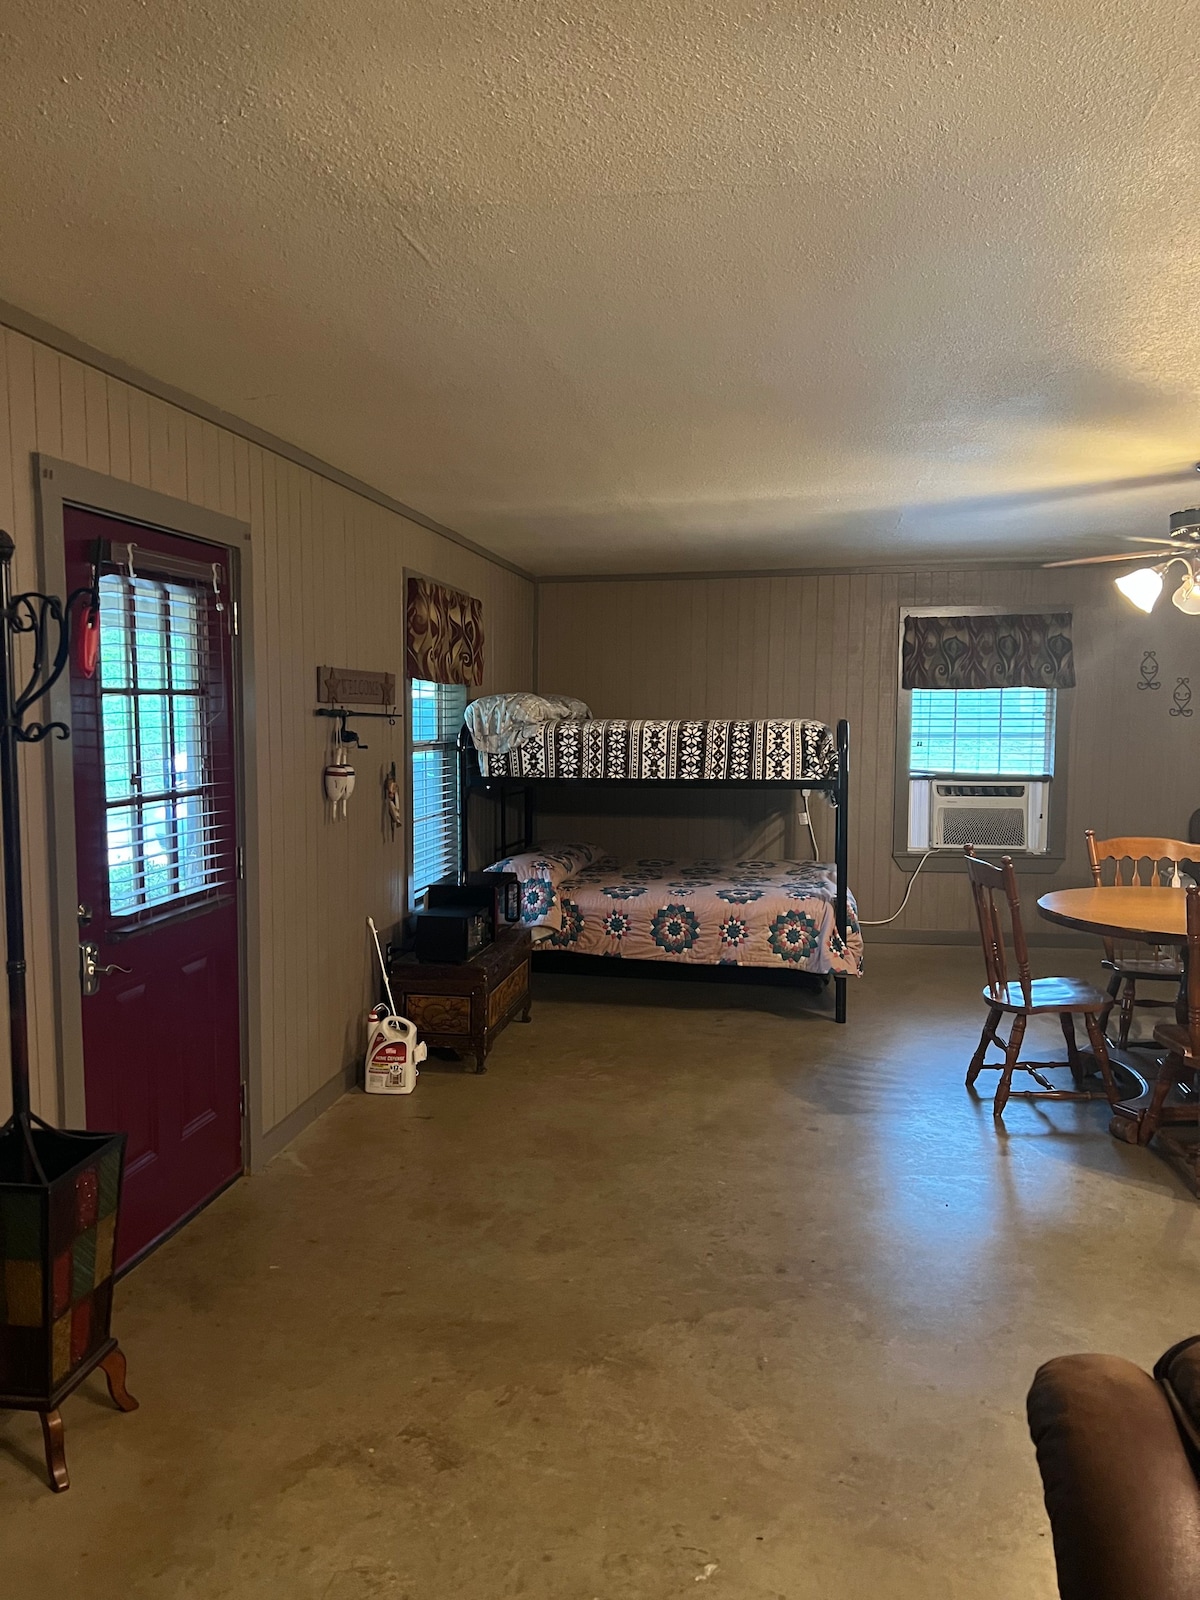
(450, 745)
(1047, 860)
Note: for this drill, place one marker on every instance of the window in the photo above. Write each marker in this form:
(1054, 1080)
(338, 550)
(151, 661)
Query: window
(437, 714)
(161, 786)
(980, 765)
(992, 732)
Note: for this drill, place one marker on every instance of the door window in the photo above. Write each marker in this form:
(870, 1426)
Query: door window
(160, 788)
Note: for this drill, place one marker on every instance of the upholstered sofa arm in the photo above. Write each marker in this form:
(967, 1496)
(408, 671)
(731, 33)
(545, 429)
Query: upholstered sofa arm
(1123, 1501)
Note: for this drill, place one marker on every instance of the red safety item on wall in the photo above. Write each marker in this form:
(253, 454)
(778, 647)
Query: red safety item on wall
(87, 641)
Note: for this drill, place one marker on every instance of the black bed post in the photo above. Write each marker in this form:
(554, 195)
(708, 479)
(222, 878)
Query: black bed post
(841, 853)
(465, 748)
(530, 808)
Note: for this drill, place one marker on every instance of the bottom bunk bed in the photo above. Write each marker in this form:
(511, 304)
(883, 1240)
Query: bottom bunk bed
(774, 915)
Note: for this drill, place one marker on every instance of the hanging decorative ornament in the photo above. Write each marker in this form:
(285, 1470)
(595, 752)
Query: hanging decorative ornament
(391, 797)
(339, 780)
(1149, 678)
(87, 640)
(85, 629)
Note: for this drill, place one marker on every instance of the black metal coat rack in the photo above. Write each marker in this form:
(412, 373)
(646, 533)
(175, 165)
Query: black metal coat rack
(59, 1190)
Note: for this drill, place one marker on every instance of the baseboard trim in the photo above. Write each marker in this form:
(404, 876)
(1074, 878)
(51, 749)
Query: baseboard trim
(281, 1135)
(1035, 938)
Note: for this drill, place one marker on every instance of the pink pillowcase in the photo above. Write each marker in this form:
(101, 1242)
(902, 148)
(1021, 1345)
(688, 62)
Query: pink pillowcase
(540, 872)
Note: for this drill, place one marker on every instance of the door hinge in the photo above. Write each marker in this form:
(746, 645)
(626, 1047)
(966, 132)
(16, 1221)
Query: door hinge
(242, 1099)
(241, 863)
(235, 624)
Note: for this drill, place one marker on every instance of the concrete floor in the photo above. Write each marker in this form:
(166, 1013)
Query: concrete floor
(692, 1287)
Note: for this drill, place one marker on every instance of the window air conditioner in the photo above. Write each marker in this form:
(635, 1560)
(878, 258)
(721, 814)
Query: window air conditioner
(996, 817)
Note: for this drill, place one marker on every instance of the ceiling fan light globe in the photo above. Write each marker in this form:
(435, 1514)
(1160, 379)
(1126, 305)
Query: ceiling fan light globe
(1142, 588)
(1187, 597)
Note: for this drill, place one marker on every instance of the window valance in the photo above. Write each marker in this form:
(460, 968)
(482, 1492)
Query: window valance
(1029, 651)
(445, 634)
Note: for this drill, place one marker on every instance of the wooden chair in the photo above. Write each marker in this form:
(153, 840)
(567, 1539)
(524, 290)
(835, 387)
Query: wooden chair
(1132, 963)
(1027, 997)
(1179, 1066)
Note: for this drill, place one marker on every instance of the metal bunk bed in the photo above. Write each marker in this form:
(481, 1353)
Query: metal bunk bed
(516, 797)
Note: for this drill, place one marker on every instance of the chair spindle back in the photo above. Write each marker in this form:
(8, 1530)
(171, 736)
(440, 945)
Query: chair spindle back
(987, 881)
(1120, 861)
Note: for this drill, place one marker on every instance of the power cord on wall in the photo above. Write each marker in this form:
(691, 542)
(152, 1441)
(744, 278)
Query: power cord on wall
(882, 922)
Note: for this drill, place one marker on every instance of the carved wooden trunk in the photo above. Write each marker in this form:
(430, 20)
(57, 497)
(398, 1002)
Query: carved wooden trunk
(465, 1007)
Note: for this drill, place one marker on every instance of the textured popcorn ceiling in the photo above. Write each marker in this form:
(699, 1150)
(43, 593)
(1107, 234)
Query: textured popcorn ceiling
(612, 285)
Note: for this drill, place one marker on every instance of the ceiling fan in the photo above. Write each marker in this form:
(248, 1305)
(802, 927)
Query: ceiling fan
(1144, 585)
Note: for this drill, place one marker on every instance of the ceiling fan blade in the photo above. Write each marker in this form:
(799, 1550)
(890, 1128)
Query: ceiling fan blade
(1144, 538)
(1091, 561)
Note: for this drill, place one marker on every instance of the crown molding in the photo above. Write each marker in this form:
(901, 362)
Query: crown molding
(45, 333)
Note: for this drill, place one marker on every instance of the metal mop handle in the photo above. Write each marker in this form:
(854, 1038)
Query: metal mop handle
(382, 964)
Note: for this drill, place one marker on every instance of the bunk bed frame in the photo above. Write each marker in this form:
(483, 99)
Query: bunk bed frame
(523, 790)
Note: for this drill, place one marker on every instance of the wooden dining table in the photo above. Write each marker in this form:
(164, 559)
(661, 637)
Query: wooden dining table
(1155, 915)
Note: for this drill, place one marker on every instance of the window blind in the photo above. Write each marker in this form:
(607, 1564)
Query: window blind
(437, 714)
(993, 732)
(168, 798)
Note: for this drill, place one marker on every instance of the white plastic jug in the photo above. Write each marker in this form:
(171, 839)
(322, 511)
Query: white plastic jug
(392, 1054)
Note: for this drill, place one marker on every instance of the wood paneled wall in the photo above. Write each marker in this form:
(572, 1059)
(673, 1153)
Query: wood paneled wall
(328, 589)
(827, 646)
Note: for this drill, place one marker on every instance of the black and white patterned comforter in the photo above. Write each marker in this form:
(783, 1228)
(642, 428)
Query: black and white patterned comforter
(728, 751)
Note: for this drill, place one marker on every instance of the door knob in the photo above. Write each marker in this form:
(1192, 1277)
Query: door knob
(90, 970)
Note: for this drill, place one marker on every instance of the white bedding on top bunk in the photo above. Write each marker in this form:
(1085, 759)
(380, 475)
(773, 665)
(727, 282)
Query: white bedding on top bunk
(499, 723)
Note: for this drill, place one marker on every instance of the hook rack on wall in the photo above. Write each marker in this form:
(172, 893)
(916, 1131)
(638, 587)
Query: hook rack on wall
(347, 735)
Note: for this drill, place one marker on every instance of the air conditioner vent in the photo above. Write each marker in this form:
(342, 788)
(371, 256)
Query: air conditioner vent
(986, 827)
(980, 791)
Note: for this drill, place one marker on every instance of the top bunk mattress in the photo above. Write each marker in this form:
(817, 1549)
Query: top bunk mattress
(712, 750)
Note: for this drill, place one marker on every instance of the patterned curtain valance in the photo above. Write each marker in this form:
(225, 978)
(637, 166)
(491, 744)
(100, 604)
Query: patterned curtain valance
(1031, 651)
(445, 634)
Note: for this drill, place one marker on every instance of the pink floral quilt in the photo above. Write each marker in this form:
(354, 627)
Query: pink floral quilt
(737, 913)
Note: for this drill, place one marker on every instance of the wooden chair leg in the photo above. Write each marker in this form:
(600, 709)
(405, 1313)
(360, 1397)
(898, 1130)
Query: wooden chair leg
(1016, 1034)
(113, 1368)
(1067, 1022)
(1114, 989)
(985, 1039)
(1128, 1001)
(1095, 1033)
(56, 1450)
(1169, 1070)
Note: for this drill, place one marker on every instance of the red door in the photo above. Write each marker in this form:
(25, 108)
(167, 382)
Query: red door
(153, 748)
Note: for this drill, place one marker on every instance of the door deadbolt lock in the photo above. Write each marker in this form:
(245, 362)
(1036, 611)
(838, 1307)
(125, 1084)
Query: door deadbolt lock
(90, 970)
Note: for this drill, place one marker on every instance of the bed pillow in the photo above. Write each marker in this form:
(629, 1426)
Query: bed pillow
(540, 872)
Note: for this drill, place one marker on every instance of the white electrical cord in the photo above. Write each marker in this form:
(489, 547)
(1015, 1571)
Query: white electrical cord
(882, 922)
(806, 797)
